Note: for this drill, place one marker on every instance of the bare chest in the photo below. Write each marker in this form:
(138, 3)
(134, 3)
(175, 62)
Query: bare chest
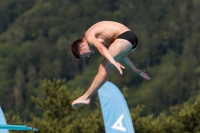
(105, 39)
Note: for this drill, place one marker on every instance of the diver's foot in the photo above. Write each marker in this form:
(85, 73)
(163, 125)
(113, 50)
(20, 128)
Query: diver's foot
(80, 102)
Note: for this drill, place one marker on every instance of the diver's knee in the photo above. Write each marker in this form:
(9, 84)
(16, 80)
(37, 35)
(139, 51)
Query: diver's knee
(104, 71)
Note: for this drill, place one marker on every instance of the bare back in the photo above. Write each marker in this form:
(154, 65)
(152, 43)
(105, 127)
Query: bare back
(106, 32)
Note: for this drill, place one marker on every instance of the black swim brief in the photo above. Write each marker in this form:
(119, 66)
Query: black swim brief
(129, 36)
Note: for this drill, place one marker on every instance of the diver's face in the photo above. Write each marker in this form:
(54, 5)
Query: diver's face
(86, 51)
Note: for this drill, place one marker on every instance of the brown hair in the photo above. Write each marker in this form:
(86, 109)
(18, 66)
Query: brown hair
(75, 48)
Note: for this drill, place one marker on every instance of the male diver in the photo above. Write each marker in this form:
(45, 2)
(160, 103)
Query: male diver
(115, 42)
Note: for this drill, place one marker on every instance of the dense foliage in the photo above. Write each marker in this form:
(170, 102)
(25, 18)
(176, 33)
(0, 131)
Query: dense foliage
(59, 117)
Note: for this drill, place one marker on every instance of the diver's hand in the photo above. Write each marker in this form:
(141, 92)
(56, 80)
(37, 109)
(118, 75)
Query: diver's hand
(119, 67)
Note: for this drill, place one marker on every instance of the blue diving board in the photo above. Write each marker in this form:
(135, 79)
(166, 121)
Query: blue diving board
(4, 127)
(16, 127)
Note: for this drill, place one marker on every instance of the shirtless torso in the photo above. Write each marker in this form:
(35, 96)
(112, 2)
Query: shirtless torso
(106, 31)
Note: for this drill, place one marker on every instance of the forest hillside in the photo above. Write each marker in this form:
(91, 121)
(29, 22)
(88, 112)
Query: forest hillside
(35, 38)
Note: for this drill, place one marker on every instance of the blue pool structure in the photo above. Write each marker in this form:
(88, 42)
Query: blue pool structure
(4, 127)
